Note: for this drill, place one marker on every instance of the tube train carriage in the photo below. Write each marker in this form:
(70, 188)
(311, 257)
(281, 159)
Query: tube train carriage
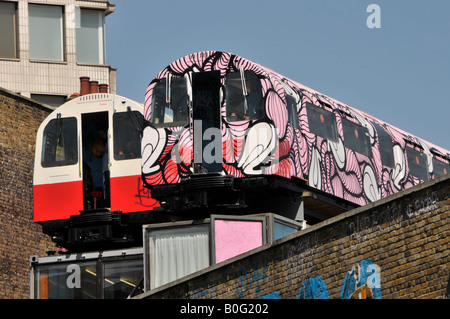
(216, 131)
(87, 175)
(222, 131)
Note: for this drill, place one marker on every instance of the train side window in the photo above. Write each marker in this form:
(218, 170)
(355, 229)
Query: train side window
(440, 168)
(417, 163)
(127, 135)
(292, 111)
(356, 137)
(385, 145)
(321, 122)
(59, 146)
(172, 109)
(244, 99)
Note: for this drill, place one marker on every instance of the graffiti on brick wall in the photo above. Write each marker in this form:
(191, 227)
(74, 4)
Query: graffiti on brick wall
(313, 288)
(251, 278)
(361, 282)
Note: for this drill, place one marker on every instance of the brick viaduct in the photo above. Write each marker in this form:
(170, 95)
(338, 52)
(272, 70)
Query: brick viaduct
(396, 248)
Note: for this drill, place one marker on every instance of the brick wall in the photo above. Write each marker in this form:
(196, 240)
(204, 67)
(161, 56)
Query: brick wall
(19, 236)
(398, 248)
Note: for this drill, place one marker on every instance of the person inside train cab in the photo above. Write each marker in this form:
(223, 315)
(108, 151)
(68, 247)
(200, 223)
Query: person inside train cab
(100, 152)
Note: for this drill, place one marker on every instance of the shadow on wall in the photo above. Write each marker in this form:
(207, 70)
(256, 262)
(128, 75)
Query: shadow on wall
(361, 282)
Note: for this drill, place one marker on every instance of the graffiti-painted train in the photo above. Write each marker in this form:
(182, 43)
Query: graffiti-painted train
(87, 176)
(222, 131)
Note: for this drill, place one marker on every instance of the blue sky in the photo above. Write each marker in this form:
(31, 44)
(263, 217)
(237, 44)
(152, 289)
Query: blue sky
(399, 73)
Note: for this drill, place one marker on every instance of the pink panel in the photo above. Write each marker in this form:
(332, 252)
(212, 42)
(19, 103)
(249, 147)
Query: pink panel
(234, 237)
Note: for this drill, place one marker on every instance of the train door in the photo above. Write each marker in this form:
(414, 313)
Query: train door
(206, 118)
(127, 191)
(95, 147)
(57, 188)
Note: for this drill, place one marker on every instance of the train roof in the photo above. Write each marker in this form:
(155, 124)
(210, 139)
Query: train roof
(201, 60)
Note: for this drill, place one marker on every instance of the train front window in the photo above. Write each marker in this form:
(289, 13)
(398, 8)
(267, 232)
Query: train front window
(59, 143)
(127, 135)
(170, 104)
(244, 99)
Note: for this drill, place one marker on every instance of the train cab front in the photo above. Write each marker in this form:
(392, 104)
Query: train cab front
(207, 140)
(87, 180)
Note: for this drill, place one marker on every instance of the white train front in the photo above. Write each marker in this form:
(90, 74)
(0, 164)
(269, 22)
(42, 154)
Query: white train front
(87, 173)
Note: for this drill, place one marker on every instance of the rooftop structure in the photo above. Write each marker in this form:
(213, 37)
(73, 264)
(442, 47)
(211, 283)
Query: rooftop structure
(47, 45)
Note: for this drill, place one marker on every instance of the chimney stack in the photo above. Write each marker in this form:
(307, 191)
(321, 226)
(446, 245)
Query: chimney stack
(103, 88)
(93, 87)
(84, 85)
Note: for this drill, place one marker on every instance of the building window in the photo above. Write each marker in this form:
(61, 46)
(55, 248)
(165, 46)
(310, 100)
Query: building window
(177, 252)
(46, 32)
(91, 37)
(8, 47)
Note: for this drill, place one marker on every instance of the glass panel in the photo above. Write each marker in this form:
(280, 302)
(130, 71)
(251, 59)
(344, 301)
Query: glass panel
(176, 112)
(292, 111)
(234, 237)
(282, 230)
(440, 168)
(178, 252)
(90, 37)
(417, 163)
(127, 135)
(386, 146)
(59, 144)
(46, 32)
(67, 281)
(51, 100)
(321, 122)
(240, 107)
(356, 137)
(122, 278)
(8, 27)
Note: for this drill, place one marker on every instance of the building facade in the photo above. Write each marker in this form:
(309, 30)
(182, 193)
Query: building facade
(47, 45)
